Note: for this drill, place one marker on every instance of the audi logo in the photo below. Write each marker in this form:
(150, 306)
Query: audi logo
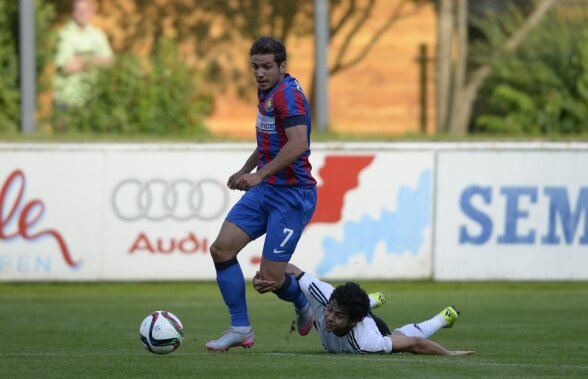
(159, 199)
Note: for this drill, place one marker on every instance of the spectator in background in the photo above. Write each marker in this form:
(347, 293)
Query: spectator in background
(81, 47)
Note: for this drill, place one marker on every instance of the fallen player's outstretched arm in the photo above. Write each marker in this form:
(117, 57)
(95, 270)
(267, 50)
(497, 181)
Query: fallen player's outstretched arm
(419, 345)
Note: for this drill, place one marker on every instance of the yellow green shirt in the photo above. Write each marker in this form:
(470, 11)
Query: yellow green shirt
(71, 89)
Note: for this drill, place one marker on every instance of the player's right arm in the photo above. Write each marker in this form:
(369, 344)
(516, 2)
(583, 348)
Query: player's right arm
(249, 165)
(65, 57)
(294, 270)
(317, 292)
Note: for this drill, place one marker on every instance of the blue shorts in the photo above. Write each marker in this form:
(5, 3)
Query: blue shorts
(280, 212)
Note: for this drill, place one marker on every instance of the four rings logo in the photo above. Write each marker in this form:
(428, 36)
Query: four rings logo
(180, 199)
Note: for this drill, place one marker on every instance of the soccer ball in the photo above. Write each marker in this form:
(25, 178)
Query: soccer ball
(161, 332)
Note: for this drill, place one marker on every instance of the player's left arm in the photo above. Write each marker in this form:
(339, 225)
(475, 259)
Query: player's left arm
(296, 146)
(419, 345)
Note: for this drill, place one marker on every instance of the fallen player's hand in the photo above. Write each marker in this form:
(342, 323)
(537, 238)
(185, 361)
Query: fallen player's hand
(461, 352)
(261, 285)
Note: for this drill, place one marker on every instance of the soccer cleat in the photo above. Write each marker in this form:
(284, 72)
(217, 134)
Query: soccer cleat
(377, 299)
(304, 320)
(450, 314)
(230, 339)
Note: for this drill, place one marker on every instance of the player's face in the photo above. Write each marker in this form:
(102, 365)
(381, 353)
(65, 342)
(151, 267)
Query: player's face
(82, 12)
(336, 319)
(266, 71)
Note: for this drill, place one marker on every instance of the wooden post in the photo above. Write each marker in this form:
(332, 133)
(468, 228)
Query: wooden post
(423, 61)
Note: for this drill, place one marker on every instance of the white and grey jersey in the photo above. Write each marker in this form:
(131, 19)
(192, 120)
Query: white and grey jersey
(363, 338)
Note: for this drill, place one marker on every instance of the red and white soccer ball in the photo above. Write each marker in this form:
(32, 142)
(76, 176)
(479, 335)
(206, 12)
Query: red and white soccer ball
(161, 332)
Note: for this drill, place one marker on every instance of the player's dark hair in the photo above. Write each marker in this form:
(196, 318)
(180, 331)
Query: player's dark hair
(269, 45)
(353, 300)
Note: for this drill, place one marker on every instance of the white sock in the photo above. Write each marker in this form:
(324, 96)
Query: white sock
(424, 329)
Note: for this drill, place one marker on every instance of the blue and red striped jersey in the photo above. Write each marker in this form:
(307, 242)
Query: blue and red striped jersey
(282, 107)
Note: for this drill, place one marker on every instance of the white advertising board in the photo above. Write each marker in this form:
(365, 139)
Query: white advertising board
(373, 218)
(505, 215)
(150, 212)
(51, 209)
(163, 210)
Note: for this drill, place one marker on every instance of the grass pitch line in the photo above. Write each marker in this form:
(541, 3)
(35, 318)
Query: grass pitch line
(431, 359)
(318, 355)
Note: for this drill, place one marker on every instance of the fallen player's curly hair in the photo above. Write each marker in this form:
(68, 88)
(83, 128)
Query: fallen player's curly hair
(353, 299)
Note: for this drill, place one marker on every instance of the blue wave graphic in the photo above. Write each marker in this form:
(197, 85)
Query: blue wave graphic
(402, 230)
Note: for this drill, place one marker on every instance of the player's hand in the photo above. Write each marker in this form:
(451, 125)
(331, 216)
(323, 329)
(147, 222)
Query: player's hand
(461, 352)
(76, 64)
(261, 285)
(232, 182)
(248, 181)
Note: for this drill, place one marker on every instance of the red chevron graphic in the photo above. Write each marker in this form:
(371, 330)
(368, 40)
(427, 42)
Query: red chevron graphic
(340, 174)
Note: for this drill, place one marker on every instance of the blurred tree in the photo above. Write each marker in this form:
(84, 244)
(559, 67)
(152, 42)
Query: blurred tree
(210, 34)
(213, 34)
(9, 91)
(9, 63)
(157, 97)
(543, 88)
(347, 19)
(458, 85)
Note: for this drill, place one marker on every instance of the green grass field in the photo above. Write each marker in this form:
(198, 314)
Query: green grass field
(92, 330)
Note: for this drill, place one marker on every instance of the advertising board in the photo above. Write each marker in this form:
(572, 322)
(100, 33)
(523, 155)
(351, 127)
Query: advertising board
(511, 215)
(150, 212)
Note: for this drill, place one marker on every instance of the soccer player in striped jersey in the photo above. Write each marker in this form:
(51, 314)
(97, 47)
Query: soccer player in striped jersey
(345, 323)
(280, 196)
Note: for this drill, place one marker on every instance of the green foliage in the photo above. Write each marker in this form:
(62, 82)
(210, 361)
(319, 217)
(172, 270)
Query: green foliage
(9, 61)
(45, 40)
(494, 28)
(542, 89)
(9, 93)
(161, 97)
